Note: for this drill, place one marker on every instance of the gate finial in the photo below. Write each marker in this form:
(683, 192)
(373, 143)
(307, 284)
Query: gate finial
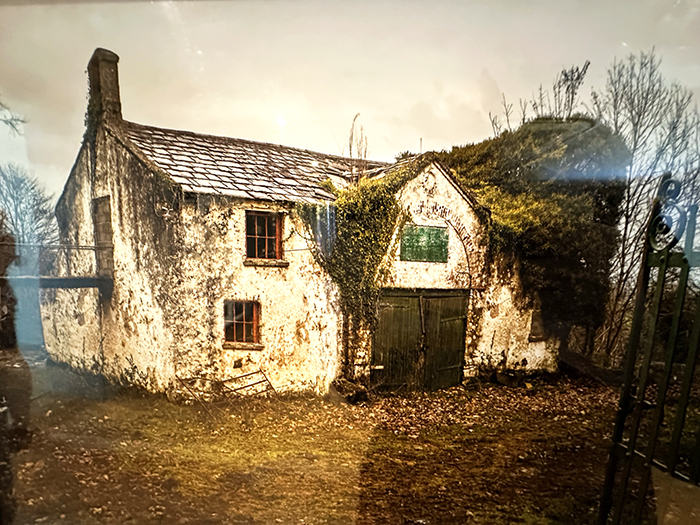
(668, 217)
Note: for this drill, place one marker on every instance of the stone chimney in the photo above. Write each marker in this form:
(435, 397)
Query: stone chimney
(104, 104)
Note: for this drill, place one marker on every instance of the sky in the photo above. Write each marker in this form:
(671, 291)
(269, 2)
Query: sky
(296, 72)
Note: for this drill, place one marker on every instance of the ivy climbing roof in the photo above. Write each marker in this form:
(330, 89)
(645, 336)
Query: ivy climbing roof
(242, 168)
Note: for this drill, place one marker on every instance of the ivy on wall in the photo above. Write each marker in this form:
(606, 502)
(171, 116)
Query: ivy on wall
(366, 215)
(553, 188)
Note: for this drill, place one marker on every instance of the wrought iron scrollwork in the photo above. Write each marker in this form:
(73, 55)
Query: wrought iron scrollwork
(669, 217)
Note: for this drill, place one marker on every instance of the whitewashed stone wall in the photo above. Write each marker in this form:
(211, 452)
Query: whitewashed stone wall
(123, 336)
(431, 199)
(174, 265)
(498, 324)
(300, 323)
(71, 319)
(503, 339)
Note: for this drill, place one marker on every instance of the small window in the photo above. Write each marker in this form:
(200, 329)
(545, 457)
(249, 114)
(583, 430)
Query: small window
(424, 243)
(263, 235)
(241, 321)
(102, 220)
(537, 331)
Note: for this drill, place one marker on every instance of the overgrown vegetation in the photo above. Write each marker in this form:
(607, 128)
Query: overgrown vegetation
(366, 215)
(554, 188)
(659, 122)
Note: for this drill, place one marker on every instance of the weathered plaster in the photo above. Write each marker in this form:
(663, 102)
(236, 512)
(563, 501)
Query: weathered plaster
(299, 319)
(174, 265)
(501, 340)
(498, 322)
(71, 318)
(126, 337)
(431, 199)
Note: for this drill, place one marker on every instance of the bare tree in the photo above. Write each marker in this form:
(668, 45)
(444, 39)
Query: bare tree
(28, 209)
(357, 141)
(10, 119)
(507, 111)
(523, 111)
(661, 128)
(564, 100)
(565, 90)
(495, 124)
(30, 220)
(540, 103)
(660, 125)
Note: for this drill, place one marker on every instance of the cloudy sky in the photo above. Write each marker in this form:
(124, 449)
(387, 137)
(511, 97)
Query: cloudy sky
(297, 71)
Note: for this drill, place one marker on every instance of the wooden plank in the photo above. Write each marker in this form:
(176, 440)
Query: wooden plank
(445, 334)
(397, 341)
(59, 282)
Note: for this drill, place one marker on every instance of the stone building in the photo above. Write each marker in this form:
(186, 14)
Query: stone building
(444, 312)
(202, 269)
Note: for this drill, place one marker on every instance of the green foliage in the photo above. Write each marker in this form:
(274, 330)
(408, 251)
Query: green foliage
(330, 187)
(404, 155)
(366, 216)
(554, 189)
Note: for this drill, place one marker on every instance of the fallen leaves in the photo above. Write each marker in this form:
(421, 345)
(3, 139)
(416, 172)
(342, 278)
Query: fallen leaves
(167, 462)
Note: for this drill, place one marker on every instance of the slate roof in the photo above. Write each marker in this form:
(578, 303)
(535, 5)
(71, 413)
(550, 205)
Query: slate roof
(240, 168)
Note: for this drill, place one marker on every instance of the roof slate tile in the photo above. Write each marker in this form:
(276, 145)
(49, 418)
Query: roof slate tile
(240, 168)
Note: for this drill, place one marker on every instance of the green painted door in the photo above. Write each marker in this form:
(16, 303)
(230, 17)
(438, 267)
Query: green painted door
(419, 341)
(396, 354)
(445, 329)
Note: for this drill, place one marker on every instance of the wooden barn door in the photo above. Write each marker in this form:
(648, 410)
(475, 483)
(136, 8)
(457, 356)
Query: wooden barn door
(397, 356)
(445, 327)
(419, 341)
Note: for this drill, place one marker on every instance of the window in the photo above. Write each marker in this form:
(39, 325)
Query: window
(241, 321)
(424, 243)
(263, 235)
(102, 220)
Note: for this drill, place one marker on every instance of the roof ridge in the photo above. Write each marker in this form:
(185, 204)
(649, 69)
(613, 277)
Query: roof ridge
(224, 138)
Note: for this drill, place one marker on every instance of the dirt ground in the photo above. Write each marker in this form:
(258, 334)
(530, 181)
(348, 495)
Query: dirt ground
(478, 453)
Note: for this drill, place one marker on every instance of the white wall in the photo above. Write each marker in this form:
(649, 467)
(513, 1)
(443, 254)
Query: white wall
(499, 321)
(172, 273)
(300, 323)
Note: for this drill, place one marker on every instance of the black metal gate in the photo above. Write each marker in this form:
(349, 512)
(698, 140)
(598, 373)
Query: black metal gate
(419, 340)
(656, 439)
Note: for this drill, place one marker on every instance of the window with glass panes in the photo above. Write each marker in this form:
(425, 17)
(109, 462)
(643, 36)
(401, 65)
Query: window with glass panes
(241, 321)
(263, 235)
